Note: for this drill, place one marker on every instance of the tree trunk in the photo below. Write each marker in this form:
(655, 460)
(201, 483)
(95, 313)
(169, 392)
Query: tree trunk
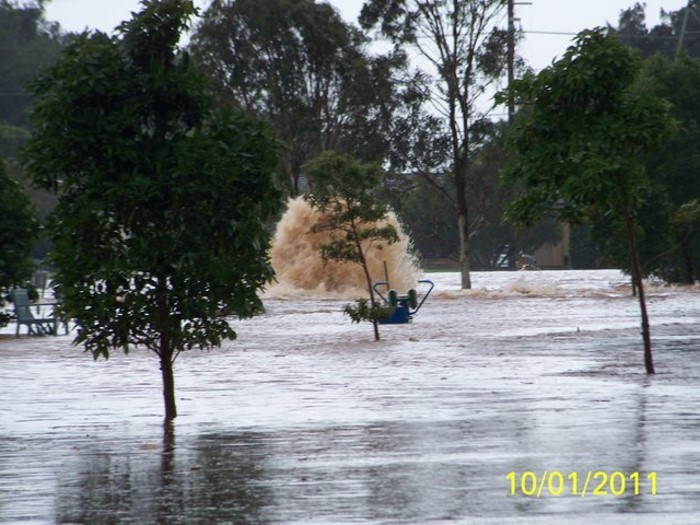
(166, 367)
(687, 259)
(464, 267)
(461, 156)
(375, 324)
(637, 280)
(372, 300)
(461, 208)
(368, 277)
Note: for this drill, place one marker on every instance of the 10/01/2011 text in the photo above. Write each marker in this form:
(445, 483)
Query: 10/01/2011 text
(593, 483)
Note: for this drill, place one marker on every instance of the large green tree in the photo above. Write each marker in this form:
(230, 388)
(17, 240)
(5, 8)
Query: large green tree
(580, 143)
(159, 231)
(18, 231)
(297, 65)
(467, 56)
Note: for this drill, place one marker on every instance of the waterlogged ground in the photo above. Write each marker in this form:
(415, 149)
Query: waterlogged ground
(533, 383)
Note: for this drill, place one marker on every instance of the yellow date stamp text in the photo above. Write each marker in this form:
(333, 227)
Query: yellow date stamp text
(583, 484)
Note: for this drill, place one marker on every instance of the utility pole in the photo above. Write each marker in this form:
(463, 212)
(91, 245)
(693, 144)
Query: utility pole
(511, 54)
(684, 26)
(511, 58)
(513, 249)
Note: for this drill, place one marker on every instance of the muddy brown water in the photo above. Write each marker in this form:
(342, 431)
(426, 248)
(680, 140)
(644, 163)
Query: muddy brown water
(304, 419)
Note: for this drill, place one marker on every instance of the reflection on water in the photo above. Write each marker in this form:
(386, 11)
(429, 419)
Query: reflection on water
(403, 471)
(215, 480)
(406, 471)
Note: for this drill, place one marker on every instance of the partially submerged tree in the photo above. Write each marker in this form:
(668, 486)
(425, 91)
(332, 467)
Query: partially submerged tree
(160, 229)
(467, 54)
(18, 231)
(580, 142)
(344, 192)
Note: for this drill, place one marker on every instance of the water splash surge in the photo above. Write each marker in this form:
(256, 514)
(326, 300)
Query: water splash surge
(298, 265)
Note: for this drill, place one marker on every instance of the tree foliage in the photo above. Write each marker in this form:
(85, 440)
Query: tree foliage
(18, 231)
(27, 43)
(581, 140)
(344, 191)
(632, 30)
(585, 121)
(663, 38)
(674, 168)
(297, 65)
(467, 55)
(654, 232)
(159, 232)
(669, 248)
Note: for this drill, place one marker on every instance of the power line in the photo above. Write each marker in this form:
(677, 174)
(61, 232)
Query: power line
(619, 35)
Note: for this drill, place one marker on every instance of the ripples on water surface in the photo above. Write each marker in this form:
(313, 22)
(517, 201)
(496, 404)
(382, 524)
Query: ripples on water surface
(304, 419)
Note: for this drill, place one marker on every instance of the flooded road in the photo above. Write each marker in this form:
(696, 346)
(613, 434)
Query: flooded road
(533, 383)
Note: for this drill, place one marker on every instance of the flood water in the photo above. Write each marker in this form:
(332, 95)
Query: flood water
(304, 419)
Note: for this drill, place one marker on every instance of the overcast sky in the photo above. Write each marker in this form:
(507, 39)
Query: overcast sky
(542, 16)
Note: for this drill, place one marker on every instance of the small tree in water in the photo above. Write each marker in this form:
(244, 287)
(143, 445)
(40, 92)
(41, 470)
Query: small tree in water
(580, 143)
(160, 229)
(344, 192)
